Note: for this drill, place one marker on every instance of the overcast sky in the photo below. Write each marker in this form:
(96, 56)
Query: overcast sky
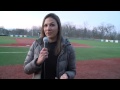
(28, 19)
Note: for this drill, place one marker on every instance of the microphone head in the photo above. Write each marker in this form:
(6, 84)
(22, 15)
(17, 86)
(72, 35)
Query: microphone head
(45, 39)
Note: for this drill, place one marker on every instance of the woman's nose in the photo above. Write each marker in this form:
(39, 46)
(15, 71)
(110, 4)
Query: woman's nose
(48, 27)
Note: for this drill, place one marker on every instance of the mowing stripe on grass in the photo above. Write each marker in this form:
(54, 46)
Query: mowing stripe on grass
(13, 52)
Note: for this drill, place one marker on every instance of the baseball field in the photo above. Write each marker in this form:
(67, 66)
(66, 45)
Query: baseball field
(94, 59)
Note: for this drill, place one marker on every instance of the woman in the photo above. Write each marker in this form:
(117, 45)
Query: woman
(57, 60)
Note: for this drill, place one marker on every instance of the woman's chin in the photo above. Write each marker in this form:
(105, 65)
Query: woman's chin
(49, 36)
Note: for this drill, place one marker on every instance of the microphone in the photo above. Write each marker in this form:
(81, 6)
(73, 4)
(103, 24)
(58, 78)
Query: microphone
(45, 40)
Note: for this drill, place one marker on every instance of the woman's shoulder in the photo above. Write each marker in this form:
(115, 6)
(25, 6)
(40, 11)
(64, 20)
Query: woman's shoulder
(65, 41)
(36, 42)
(68, 44)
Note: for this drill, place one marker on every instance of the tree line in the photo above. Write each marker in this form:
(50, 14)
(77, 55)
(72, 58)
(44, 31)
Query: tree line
(102, 31)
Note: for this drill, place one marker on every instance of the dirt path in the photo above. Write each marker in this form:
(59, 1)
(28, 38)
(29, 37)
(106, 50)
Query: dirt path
(99, 69)
(20, 42)
(92, 69)
(28, 42)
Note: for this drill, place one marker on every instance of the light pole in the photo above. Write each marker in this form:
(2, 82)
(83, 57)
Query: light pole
(32, 32)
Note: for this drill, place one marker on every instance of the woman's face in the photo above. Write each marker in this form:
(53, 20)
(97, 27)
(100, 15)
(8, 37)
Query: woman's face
(50, 28)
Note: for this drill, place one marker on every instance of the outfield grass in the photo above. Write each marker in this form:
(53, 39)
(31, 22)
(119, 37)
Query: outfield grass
(7, 40)
(96, 53)
(96, 43)
(12, 59)
(12, 55)
(11, 40)
(14, 49)
(99, 50)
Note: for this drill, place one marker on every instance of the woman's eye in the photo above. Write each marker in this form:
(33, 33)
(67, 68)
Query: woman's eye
(52, 25)
(49, 25)
(45, 25)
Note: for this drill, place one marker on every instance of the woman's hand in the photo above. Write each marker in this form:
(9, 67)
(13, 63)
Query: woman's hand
(43, 55)
(64, 76)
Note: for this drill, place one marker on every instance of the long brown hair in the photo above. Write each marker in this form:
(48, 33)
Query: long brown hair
(54, 16)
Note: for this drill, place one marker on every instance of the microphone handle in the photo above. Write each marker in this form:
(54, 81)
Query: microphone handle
(45, 43)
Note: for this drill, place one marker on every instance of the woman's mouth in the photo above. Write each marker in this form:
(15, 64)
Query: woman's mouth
(49, 33)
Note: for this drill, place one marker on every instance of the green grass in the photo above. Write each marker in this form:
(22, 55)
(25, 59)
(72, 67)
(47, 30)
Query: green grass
(96, 43)
(11, 40)
(96, 53)
(27, 37)
(7, 40)
(12, 58)
(99, 50)
(13, 49)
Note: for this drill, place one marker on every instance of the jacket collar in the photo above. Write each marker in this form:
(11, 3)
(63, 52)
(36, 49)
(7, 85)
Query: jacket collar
(64, 41)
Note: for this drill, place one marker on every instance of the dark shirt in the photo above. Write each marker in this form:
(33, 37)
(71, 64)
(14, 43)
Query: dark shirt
(49, 70)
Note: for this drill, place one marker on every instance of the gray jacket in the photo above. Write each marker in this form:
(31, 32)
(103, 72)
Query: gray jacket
(66, 62)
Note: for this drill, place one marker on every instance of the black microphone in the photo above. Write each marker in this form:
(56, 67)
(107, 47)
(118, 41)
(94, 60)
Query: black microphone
(45, 40)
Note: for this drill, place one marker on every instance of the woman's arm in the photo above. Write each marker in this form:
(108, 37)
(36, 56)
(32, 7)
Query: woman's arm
(71, 68)
(30, 65)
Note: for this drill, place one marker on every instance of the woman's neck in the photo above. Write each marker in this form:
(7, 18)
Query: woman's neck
(52, 40)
